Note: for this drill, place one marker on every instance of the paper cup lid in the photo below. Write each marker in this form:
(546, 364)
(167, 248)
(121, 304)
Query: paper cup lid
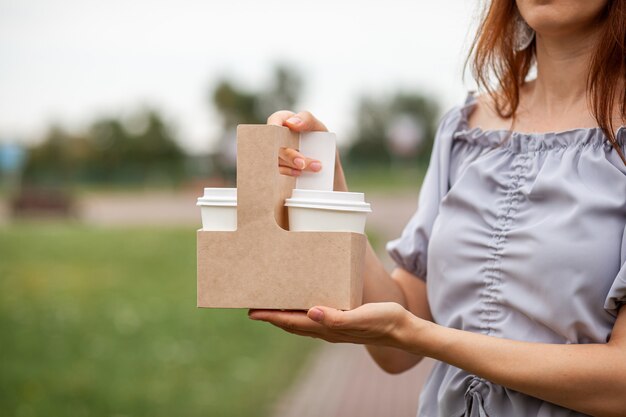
(218, 197)
(328, 200)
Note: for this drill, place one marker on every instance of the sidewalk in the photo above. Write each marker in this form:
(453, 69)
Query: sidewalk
(343, 381)
(390, 212)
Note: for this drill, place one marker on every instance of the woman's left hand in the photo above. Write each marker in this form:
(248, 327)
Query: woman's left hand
(369, 324)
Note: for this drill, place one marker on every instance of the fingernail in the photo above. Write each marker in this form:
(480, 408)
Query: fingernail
(294, 120)
(299, 162)
(316, 314)
(315, 166)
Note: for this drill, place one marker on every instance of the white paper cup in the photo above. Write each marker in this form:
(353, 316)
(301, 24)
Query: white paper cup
(218, 207)
(327, 211)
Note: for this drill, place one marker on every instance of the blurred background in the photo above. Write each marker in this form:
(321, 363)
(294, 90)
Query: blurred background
(114, 115)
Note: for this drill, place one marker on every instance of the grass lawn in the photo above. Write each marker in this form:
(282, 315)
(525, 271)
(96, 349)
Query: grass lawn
(381, 179)
(98, 322)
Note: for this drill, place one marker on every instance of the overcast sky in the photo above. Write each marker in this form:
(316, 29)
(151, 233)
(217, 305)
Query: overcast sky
(69, 61)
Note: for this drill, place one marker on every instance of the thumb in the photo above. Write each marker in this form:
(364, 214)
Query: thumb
(305, 122)
(327, 316)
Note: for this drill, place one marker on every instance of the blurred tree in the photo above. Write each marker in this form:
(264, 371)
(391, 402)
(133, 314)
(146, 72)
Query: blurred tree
(110, 142)
(423, 112)
(56, 159)
(154, 150)
(236, 105)
(368, 144)
(111, 151)
(397, 129)
(283, 93)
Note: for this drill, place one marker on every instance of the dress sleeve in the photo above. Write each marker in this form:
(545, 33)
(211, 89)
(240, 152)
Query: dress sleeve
(617, 294)
(410, 250)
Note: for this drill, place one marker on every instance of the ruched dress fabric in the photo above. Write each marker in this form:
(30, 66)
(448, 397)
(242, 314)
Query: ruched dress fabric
(519, 236)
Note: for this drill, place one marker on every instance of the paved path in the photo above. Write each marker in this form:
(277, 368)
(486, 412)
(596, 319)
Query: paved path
(179, 208)
(389, 211)
(146, 209)
(341, 380)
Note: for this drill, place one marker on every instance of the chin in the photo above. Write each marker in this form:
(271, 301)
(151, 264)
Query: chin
(561, 17)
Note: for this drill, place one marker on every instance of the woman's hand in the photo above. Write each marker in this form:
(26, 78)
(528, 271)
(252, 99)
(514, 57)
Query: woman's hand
(383, 294)
(371, 324)
(290, 161)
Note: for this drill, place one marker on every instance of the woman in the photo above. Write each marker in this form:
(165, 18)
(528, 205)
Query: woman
(512, 271)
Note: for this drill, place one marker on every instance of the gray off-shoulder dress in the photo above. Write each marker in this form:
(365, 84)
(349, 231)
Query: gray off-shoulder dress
(519, 236)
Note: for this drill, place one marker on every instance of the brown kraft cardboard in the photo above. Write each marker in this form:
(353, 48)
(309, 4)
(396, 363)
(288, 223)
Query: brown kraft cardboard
(264, 265)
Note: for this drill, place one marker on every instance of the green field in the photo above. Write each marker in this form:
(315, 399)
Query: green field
(384, 179)
(98, 322)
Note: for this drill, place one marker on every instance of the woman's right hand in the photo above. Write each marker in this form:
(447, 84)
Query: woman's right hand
(402, 287)
(291, 161)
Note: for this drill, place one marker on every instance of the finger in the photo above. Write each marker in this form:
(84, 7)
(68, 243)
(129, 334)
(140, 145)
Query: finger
(302, 164)
(301, 332)
(293, 158)
(278, 118)
(304, 121)
(289, 171)
(329, 317)
(331, 337)
(294, 320)
(290, 155)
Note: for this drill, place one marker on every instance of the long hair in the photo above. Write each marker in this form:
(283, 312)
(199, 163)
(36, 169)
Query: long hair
(501, 70)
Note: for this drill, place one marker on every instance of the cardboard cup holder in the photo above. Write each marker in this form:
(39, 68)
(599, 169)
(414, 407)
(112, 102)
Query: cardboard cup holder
(264, 265)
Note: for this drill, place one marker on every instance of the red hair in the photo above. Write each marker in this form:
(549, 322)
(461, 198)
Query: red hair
(501, 70)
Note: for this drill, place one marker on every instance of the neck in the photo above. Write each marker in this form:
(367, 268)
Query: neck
(562, 68)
